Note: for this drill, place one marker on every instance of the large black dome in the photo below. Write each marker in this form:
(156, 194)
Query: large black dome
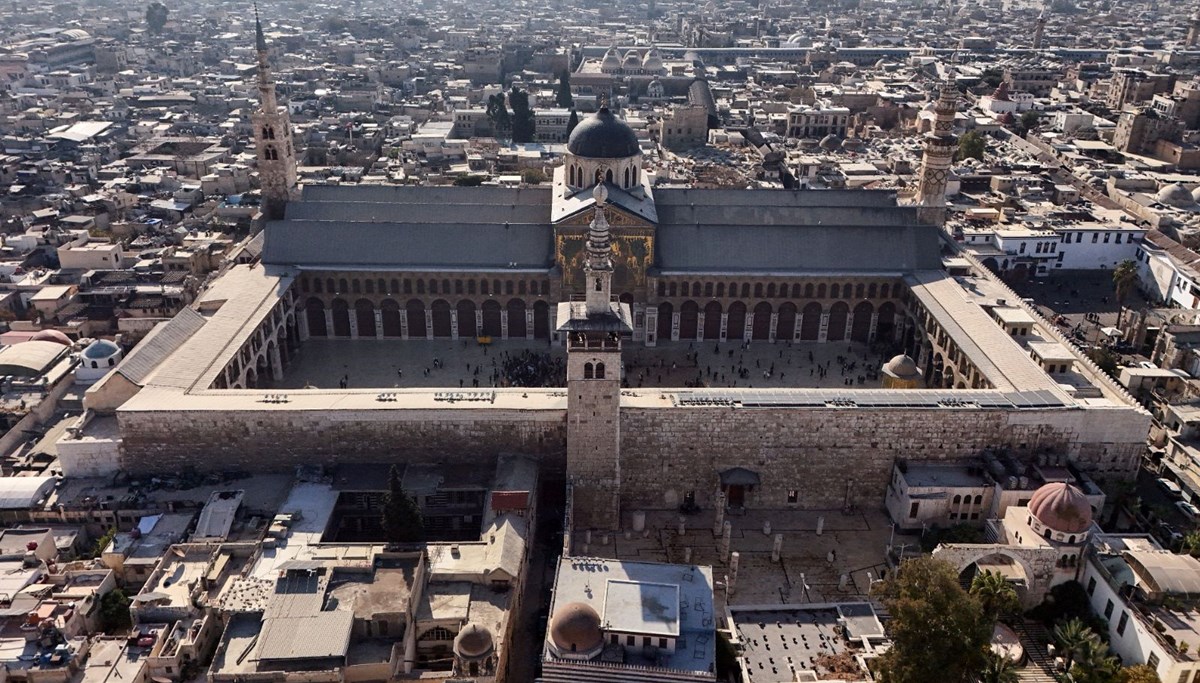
(603, 136)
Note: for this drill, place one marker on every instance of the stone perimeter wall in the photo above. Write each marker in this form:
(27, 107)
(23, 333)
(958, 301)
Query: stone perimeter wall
(666, 452)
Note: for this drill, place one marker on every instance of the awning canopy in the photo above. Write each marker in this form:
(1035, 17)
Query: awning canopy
(739, 476)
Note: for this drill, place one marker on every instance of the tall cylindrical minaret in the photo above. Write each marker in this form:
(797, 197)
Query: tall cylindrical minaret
(276, 157)
(940, 146)
(1193, 34)
(598, 268)
(1039, 29)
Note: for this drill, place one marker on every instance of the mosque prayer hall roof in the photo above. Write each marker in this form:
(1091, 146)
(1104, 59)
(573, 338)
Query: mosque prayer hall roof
(719, 231)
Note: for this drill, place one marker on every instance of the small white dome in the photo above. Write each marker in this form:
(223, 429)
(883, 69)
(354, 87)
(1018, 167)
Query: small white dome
(1175, 195)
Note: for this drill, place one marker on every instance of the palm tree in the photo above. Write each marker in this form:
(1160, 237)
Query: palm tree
(1191, 542)
(1095, 663)
(998, 669)
(1124, 277)
(1073, 637)
(995, 594)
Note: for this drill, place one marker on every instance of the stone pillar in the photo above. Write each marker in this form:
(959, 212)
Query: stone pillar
(767, 528)
(454, 323)
(302, 325)
(639, 520)
(652, 326)
(504, 323)
(798, 326)
(479, 320)
(529, 331)
(823, 333)
(428, 324)
(675, 326)
(687, 555)
(700, 325)
(726, 539)
(403, 324)
(820, 524)
(378, 324)
(748, 328)
(329, 322)
(724, 327)
(681, 525)
(777, 548)
(719, 513)
(731, 582)
(849, 325)
(276, 363)
(774, 325)
(874, 326)
(353, 323)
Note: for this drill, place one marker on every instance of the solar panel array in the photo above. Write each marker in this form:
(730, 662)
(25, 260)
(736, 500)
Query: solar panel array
(871, 398)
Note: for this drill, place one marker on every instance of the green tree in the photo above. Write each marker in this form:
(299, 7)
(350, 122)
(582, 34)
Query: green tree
(1191, 543)
(497, 113)
(401, 517)
(1125, 276)
(103, 541)
(938, 630)
(572, 121)
(972, 145)
(1137, 674)
(563, 97)
(469, 180)
(533, 176)
(1030, 120)
(1094, 664)
(995, 594)
(998, 669)
(114, 611)
(522, 115)
(156, 16)
(1073, 637)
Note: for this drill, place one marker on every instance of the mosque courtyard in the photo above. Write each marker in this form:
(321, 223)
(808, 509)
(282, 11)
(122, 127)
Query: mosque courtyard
(391, 363)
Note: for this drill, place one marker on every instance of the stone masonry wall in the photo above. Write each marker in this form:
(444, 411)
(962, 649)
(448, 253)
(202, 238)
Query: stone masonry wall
(823, 453)
(263, 441)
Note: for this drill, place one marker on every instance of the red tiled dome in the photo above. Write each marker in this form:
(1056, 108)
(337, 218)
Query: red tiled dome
(1062, 507)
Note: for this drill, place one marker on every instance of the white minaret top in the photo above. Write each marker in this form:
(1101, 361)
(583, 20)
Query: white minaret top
(598, 267)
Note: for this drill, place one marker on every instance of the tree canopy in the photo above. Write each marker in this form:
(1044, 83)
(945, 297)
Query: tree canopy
(497, 113)
(156, 16)
(562, 97)
(995, 594)
(401, 517)
(939, 632)
(572, 121)
(972, 145)
(522, 115)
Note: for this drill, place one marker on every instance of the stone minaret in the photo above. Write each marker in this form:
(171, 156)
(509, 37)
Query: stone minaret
(593, 329)
(272, 138)
(940, 145)
(1193, 34)
(1039, 29)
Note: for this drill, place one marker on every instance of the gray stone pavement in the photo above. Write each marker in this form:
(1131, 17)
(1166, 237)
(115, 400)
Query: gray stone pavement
(804, 573)
(388, 363)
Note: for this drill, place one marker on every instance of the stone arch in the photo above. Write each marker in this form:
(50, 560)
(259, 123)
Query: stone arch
(541, 320)
(761, 330)
(516, 318)
(466, 317)
(970, 558)
(389, 311)
(414, 310)
(860, 330)
(665, 313)
(735, 327)
(885, 323)
(491, 318)
(838, 314)
(712, 320)
(341, 317)
(689, 316)
(364, 317)
(314, 312)
(810, 326)
(785, 324)
(439, 313)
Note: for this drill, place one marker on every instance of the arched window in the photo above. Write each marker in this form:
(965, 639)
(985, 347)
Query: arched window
(821, 291)
(979, 500)
(458, 286)
(520, 287)
(745, 290)
(483, 286)
(433, 286)
(407, 285)
(662, 288)
(420, 286)
(758, 290)
(883, 291)
(957, 500)
(720, 289)
(835, 291)
(95, 364)
(1046, 533)
(1071, 538)
(671, 289)
(571, 176)
(112, 362)
(370, 285)
(588, 372)
(268, 133)
(508, 287)
(599, 370)
(317, 285)
(626, 177)
(545, 288)
(872, 291)
(343, 286)
(270, 154)
(608, 176)
(771, 290)
(356, 286)
(708, 289)
(470, 286)
(695, 289)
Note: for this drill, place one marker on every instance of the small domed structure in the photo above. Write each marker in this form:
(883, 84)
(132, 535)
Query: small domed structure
(52, 336)
(1176, 196)
(652, 62)
(100, 349)
(575, 632)
(901, 372)
(1061, 509)
(98, 358)
(632, 62)
(831, 142)
(1196, 194)
(655, 89)
(473, 642)
(612, 61)
(603, 136)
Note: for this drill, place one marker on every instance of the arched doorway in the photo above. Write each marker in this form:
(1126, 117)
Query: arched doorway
(785, 324)
(466, 318)
(885, 324)
(341, 318)
(516, 319)
(860, 329)
(491, 318)
(761, 330)
(541, 320)
(389, 311)
(838, 315)
(439, 313)
(735, 326)
(415, 311)
(665, 313)
(810, 327)
(712, 320)
(364, 317)
(314, 311)
(1013, 571)
(689, 316)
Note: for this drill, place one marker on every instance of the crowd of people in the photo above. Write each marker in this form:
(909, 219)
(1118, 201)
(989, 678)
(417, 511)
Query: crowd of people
(530, 369)
(729, 367)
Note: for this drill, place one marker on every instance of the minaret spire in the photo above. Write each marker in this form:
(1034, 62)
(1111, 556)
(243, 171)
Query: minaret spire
(940, 145)
(598, 268)
(272, 136)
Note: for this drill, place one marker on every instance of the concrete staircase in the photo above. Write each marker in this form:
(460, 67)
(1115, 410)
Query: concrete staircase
(1039, 667)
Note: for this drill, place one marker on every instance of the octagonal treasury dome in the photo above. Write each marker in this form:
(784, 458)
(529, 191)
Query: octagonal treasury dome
(603, 136)
(575, 628)
(473, 642)
(1062, 507)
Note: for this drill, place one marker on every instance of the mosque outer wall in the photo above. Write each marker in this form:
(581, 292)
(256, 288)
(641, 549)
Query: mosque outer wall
(665, 451)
